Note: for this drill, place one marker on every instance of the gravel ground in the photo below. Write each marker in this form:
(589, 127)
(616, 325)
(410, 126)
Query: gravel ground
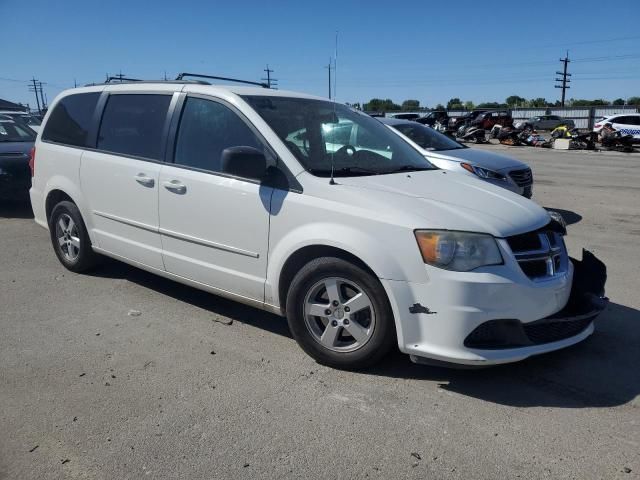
(123, 375)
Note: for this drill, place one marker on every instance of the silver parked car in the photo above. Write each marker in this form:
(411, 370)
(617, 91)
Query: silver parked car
(446, 153)
(549, 122)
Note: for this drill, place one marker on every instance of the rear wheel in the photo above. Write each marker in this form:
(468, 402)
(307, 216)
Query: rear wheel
(70, 239)
(339, 314)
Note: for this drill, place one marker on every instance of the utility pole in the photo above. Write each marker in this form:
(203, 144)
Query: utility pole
(34, 88)
(42, 96)
(271, 82)
(565, 77)
(329, 67)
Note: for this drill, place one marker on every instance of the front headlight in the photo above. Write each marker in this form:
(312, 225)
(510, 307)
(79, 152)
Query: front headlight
(459, 251)
(483, 172)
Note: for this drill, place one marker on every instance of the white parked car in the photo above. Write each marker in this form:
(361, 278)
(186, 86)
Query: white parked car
(448, 154)
(626, 123)
(246, 192)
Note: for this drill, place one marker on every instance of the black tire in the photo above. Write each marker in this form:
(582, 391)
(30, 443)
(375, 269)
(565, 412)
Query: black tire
(85, 258)
(382, 335)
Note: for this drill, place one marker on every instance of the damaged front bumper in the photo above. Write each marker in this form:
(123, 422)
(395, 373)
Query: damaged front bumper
(509, 339)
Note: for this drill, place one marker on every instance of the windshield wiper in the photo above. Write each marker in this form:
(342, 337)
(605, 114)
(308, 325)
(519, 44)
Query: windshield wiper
(355, 169)
(344, 171)
(408, 168)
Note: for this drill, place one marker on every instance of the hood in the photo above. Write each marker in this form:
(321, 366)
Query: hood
(451, 201)
(481, 158)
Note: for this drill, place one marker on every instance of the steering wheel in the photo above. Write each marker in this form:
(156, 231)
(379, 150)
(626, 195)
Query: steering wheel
(348, 150)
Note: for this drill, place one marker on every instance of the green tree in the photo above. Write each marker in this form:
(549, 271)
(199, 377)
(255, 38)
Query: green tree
(379, 105)
(491, 105)
(454, 103)
(411, 105)
(618, 101)
(439, 107)
(633, 101)
(588, 103)
(538, 102)
(515, 100)
(469, 105)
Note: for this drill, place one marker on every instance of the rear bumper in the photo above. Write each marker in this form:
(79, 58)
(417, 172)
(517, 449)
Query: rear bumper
(14, 187)
(480, 319)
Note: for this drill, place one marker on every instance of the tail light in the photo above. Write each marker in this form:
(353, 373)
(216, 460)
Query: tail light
(32, 161)
(597, 125)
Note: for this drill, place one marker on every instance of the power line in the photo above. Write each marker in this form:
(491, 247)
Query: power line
(565, 80)
(271, 82)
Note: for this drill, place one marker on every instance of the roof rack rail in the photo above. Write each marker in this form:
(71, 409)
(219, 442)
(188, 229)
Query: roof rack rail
(182, 75)
(132, 80)
(123, 79)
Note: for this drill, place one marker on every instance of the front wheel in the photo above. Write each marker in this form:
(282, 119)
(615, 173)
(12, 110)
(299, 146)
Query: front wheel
(339, 314)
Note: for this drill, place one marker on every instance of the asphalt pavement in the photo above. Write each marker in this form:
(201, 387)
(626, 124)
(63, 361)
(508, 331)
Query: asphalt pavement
(124, 375)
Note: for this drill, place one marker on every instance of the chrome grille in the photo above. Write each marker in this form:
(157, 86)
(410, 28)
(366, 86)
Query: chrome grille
(540, 254)
(523, 177)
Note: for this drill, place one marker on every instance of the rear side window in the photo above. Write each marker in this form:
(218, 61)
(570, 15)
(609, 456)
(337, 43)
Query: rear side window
(70, 121)
(132, 124)
(206, 129)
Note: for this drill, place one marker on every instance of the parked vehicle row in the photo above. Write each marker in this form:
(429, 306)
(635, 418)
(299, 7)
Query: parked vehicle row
(16, 143)
(309, 209)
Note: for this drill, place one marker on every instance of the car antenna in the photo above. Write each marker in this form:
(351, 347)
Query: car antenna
(335, 74)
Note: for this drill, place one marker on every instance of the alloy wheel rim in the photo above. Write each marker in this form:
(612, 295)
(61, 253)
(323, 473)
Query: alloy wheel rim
(68, 238)
(339, 314)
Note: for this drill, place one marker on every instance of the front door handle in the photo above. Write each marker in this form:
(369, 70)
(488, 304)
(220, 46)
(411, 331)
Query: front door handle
(145, 181)
(175, 186)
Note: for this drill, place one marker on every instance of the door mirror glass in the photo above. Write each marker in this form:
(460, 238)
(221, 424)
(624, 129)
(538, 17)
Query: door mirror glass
(245, 162)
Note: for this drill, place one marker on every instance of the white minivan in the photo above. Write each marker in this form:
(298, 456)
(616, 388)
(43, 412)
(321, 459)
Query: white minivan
(247, 193)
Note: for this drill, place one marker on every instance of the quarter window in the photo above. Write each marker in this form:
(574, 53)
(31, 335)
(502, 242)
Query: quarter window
(132, 124)
(70, 120)
(206, 129)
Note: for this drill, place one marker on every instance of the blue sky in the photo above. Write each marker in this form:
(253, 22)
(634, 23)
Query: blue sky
(427, 50)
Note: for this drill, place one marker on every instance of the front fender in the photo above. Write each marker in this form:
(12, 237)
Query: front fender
(373, 250)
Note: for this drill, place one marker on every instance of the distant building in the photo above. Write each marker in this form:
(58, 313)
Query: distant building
(7, 105)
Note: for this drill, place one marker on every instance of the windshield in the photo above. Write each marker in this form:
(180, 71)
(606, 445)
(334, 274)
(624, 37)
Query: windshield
(427, 137)
(11, 132)
(321, 134)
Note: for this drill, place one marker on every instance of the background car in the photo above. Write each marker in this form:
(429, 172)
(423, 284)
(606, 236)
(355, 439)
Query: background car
(405, 116)
(16, 142)
(32, 121)
(432, 117)
(488, 120)
(456, 122)
(448, 154)
(549, 122)
(627, 124)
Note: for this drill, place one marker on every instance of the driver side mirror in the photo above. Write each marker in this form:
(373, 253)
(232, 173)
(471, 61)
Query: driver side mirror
(245, 162)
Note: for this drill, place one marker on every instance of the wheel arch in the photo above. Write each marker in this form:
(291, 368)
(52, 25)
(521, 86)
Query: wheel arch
(54, 197)
(59, 189)
(304, 255)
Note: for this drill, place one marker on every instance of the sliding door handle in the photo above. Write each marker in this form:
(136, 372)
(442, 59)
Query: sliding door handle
(175, 186)
(145, 181)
